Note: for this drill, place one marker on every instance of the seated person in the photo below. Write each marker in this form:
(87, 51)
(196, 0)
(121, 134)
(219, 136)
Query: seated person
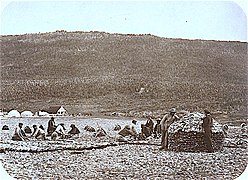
(145, 131)
(27, 130)
(149, 123)
(74, 130)
(19, 134)
(34, 130)
(128, 131)
(40, 133)
(59, 132)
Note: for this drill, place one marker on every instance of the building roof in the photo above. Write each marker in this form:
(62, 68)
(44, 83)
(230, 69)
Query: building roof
(61, 109)
(53, 109)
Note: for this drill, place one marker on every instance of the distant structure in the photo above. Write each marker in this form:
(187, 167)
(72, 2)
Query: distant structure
(14, 113)
(26, 114)
(41, 113)
(56, 111)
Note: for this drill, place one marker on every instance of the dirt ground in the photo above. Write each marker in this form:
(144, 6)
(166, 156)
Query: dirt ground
(116, 160)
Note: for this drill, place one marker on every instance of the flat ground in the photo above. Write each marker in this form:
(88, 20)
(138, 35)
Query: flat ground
(124, 161)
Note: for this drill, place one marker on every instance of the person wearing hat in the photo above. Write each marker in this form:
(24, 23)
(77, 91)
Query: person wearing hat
(207, 128)
(166, 121)
(51, 126)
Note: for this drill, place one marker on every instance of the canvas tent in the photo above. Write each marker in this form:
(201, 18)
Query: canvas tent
(14, 113)
(26, 114)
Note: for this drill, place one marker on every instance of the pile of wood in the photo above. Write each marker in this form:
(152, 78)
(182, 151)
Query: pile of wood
(187, 134)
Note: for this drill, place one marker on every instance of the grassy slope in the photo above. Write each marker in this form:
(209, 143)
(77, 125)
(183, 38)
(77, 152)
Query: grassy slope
(100, 71)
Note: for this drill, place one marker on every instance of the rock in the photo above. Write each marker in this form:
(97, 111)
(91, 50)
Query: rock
(5, 127)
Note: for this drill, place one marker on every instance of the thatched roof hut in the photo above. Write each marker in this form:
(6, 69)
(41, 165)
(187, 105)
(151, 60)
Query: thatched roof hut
(187, 134)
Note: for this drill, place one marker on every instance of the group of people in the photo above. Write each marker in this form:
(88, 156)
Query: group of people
(161, 129)
(139, 131)
(54, 131)
(146, 130)
(21, 135)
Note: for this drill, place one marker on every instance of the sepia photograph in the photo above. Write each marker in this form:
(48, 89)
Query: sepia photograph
(123, 90)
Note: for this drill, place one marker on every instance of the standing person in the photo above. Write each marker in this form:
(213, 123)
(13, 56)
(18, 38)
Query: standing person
(207, 127)
(19, 134)
(157, 128)
(51, 126)
(167, 120)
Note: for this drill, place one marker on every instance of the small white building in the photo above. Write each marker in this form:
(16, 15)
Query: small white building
(61, 111)
(57, 111)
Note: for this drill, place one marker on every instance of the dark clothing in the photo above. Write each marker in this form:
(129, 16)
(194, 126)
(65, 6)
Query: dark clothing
(74, 130)
(207, 126)
(128, 131)
(27, 129)
(19, 135)
(157, 129)
(150, 124)
(146, 131)
(34, 132)
(51, 127)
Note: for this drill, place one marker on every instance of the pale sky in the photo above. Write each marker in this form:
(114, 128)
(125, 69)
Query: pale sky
(212, 20)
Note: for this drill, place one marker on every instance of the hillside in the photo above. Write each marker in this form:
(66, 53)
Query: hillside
(96, 71)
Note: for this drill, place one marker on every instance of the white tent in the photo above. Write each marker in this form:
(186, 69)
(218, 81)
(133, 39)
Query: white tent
(26, 114)
(14, 113)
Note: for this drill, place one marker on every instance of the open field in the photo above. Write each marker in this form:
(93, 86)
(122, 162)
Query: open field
(117, 160)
